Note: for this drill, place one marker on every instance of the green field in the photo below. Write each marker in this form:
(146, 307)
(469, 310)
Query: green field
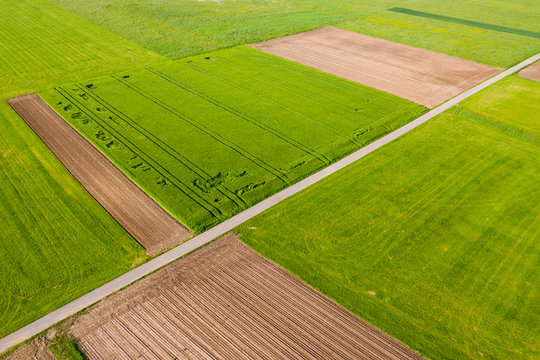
(433, 238)
(214, 134)
(178, 28)
(57, 242)
(43, 45)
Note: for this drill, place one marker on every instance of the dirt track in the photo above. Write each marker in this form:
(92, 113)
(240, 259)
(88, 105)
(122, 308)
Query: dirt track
(225, 301)
(141, 216)
(531, 72)
(425, 77)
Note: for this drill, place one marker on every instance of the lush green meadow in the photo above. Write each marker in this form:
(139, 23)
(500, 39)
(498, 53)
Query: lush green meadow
(178, 28)
(43, 45)
(57, 242)
(433, 238)
(214, 134)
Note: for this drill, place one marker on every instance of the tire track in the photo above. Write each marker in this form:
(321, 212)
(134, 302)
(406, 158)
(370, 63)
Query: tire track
(242, 152)
(148, 159)
(321, 157)
(164, 146)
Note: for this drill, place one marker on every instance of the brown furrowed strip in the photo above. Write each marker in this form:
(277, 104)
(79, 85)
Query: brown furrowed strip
(144, 219)
(531, 72)
(425, 77)
(226, 301)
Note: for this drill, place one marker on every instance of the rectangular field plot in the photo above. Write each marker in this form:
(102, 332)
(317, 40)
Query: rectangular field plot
(425, 77)
(211, 135)
(434, 237)
(227, 302)
(145, 220)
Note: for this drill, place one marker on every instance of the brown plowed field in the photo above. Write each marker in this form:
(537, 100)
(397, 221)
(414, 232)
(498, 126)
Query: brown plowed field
(37, 349)
(225, 301)
(425, 77)
(141, 216)
(531, 72)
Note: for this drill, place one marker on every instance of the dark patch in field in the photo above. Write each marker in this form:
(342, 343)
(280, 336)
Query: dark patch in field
(472, 23)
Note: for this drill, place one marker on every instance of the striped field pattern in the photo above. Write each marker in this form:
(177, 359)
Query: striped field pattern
(211, 135)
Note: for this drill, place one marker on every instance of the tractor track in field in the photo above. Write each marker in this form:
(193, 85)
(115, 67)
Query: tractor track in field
(145, 220)
(228, 302)
(137, 151)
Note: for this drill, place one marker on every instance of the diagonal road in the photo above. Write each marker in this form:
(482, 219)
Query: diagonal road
(124, 280)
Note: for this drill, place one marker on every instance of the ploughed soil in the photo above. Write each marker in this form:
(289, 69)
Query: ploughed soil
(138, 213)
(225, 301)
(422, 76)
(37, 349)
(531, 72)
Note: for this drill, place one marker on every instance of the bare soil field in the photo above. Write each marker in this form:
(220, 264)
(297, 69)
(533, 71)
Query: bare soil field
(37, 349)
(226, 301)
(139, 214)
(425, 77)
(531, 72)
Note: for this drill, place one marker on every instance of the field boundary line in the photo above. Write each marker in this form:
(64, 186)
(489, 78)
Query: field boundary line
(131, 276)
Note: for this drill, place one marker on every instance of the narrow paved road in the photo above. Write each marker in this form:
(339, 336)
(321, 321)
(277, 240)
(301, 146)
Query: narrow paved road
(94, 296)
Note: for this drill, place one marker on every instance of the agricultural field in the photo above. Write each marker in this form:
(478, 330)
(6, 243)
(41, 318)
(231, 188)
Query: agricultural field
(57, 242)
(433, 238)
(498, 33)
(211, 135)
(44, 45)
(227, 301)
(425, 77)
(430, 239)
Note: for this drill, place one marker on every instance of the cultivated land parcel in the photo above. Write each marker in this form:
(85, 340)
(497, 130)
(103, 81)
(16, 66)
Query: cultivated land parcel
(453, 294)
(211, 135)
(433, 238)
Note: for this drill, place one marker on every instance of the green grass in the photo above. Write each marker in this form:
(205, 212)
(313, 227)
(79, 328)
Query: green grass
(214, 134)
(433, 238)
(57, 242)
(44, 45)
(179, 28)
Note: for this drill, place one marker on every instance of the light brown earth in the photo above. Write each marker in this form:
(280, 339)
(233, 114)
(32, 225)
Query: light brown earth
(225, 301)
(139, 214)
(531, 72)
(37, 349)
(422, 76)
